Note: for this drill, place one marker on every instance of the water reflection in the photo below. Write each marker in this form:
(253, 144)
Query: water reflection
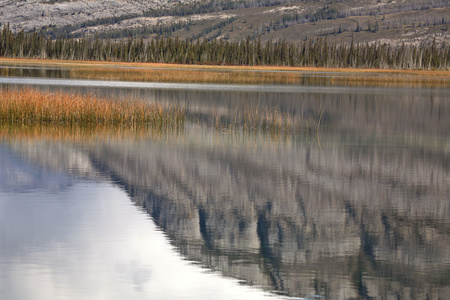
(341, 220)
(410, 113)
(350, 220)
(34, 71)
(63, 237)
(224, 75)
(359, 210)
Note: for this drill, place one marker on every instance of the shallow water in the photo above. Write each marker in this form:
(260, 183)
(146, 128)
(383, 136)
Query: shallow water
(359, 209)
(66, 237)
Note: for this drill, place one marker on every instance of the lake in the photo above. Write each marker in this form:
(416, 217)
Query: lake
(354, 204)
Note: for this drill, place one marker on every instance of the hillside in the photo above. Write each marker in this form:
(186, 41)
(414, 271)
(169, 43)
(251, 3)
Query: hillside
(393, 22)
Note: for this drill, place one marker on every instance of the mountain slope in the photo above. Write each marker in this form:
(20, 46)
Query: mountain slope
(33, 14)
(394, 22)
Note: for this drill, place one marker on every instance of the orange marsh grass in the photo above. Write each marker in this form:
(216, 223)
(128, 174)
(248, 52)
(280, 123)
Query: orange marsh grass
(255, 119)
(183, 76)
(255, 77)
(16, 61)
(159, 72)
(30, 107)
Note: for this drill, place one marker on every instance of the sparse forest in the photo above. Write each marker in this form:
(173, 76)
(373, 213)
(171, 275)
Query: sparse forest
(316, 52)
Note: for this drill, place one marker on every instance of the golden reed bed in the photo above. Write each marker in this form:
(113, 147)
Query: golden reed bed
(60, 115)
(154, 72)
(33, 107)
(74, 63)
(256, 77)
(29, 113)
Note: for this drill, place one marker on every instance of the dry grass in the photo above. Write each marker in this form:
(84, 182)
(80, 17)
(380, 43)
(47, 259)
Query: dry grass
(240, 75)
(30, 107)
(184, 76)
(255, 119)
(64, 116)
(31, 114)
(253, 77)
(427, 73)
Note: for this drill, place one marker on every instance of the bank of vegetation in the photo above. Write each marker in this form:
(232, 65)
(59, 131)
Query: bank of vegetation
(30, 110)
(34, 107)
(268, 120)
(313, 53)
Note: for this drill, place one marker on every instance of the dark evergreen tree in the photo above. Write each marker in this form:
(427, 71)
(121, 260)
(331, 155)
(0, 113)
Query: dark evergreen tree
(318, 52)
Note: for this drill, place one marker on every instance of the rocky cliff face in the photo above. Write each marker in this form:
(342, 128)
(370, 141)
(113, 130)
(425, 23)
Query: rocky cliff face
(33, 14)
(392, 22)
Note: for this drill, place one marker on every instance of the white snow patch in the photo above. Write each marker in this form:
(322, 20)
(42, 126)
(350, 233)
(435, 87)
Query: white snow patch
(284, 9)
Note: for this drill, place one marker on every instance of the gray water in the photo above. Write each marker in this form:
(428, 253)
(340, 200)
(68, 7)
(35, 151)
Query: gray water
(359, 209)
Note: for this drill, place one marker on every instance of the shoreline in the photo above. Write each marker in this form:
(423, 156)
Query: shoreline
(170, 66)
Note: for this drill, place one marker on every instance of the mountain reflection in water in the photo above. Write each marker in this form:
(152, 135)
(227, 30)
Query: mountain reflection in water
(78, 236)
(339, 219)
(358, 210)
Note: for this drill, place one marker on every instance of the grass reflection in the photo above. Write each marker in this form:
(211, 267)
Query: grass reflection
(33, 107)
(84, 134)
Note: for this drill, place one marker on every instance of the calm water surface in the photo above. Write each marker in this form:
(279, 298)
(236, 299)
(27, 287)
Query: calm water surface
(358, 210)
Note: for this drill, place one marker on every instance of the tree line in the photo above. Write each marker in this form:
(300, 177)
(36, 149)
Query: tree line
(314, 52)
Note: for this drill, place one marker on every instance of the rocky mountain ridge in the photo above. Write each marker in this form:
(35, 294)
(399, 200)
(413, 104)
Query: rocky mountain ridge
(393, 22)
(33, 14)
